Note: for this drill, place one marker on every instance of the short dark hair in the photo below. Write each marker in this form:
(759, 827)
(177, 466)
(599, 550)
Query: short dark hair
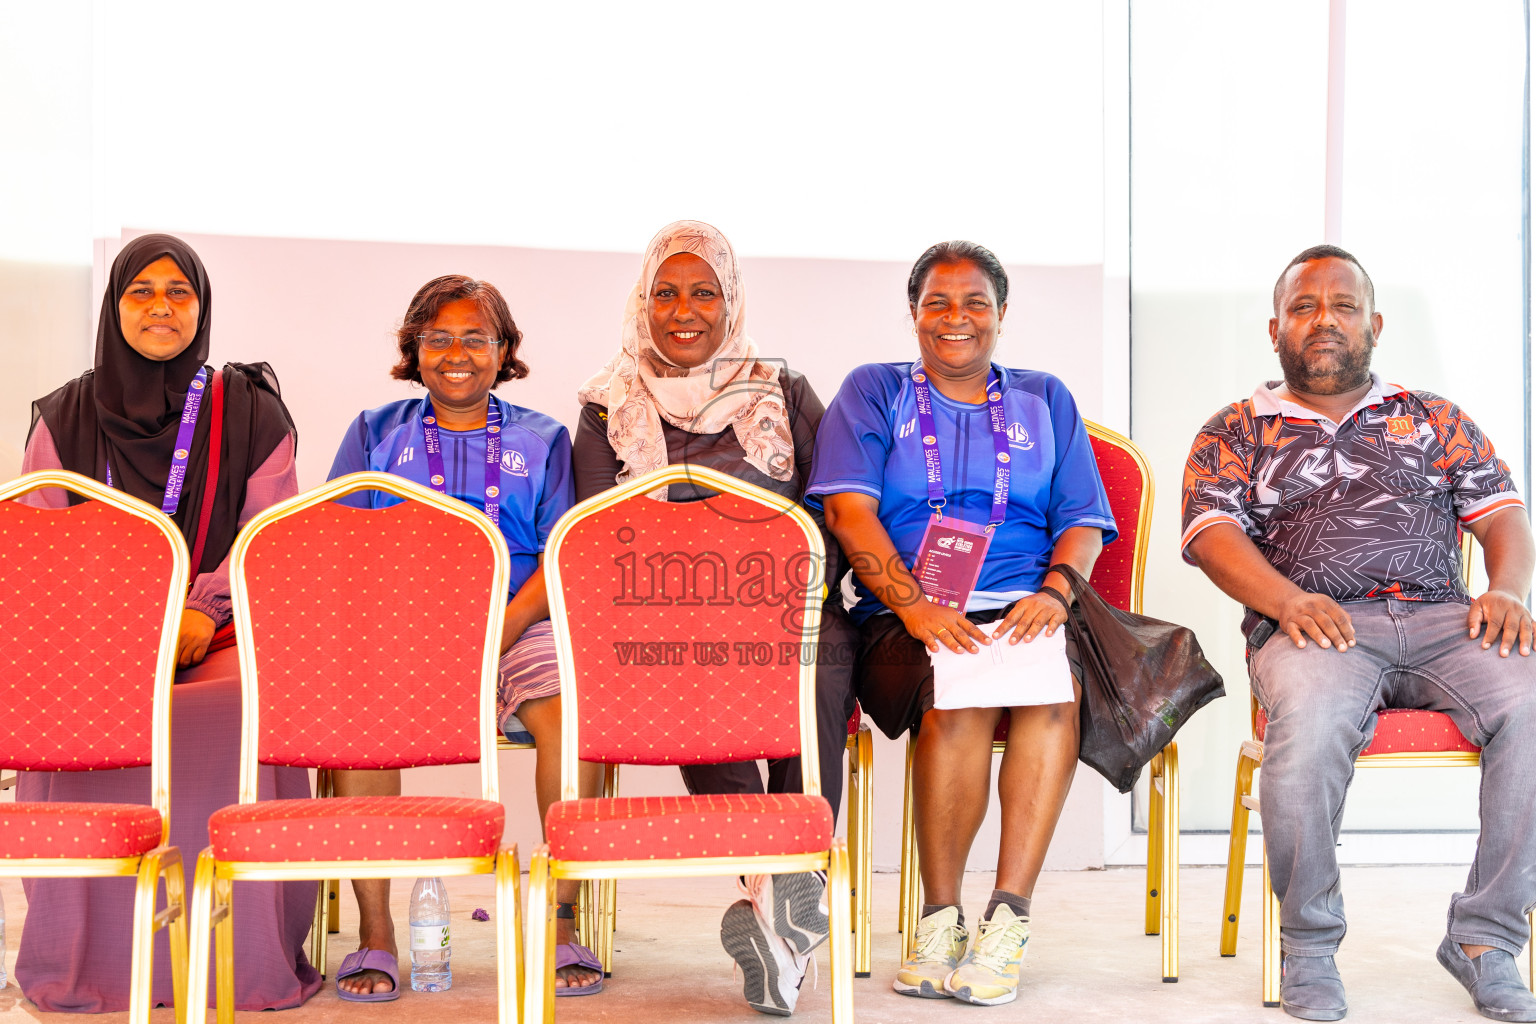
(1325, 252)
(958, 251)
(429, 301)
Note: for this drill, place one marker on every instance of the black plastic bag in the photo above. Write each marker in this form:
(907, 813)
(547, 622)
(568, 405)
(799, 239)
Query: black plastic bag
(1142, 680)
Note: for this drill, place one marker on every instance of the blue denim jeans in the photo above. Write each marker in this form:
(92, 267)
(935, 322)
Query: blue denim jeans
(1322, 709)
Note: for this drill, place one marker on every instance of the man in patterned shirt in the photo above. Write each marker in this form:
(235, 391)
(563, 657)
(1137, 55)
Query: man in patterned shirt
(1329, 505)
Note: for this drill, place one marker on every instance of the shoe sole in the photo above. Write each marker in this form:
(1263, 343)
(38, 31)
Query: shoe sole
(797, 914)
(1306, 1013)
(743, 939)
(924, 991)
(963, 993)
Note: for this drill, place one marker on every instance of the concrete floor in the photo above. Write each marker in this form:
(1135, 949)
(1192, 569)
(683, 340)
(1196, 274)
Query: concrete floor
(1088, 959)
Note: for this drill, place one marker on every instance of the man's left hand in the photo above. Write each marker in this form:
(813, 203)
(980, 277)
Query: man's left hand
(1506, 617)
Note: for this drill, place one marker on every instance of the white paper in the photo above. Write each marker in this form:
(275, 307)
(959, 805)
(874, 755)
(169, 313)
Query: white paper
(1004, 675)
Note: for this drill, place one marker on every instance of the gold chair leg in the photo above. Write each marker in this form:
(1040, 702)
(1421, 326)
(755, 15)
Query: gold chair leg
(141, 978)
(1170, 897)
(509, 931)
(332, 906)
(539, 1004)
(224, 946)
(863, 861)
(839, 903)
(910, 868)
(176, 914)
(607, 909)
(906, 820)
(1154, 910)
(201, 921)
(1271, 971)
(317, 928)
(1237, 854)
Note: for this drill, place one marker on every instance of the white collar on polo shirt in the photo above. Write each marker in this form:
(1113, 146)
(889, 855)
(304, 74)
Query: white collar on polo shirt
(1267, 402)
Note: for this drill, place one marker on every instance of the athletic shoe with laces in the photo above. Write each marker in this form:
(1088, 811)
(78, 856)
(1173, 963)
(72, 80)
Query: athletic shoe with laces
(794, 906)
(989, 973)
(771, 970)
(940, 945)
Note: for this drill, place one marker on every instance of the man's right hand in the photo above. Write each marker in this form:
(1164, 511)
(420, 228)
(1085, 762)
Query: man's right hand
(1306, 615)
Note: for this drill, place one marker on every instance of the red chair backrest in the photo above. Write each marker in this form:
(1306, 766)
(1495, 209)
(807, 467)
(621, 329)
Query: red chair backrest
(685, 628)
(367, 628)
(1117, 575)
(83, 608)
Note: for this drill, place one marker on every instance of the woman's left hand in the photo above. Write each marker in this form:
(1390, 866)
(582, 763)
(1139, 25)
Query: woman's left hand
(1030, 615)
(192, 644)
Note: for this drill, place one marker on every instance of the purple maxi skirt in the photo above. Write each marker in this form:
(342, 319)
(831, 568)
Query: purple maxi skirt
(76, 953)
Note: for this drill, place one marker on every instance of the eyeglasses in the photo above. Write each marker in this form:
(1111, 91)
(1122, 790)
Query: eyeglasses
(440, 341)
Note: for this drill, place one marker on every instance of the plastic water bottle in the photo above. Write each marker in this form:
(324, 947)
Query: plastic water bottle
(430, 952)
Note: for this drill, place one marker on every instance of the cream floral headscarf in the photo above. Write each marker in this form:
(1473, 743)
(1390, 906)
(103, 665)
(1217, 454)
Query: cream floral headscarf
(641, 387)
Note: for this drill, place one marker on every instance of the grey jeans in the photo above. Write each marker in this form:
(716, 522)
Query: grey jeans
(1322, 709)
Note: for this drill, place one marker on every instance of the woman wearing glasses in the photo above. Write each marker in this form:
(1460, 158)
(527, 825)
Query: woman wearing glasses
(458, 340)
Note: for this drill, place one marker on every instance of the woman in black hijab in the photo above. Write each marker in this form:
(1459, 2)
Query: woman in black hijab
(119, 423)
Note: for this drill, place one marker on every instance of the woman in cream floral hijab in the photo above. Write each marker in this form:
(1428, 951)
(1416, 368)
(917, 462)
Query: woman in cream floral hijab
(657, 376)
(689, 385)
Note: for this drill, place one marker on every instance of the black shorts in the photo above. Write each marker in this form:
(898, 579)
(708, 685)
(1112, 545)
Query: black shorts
(893, 674)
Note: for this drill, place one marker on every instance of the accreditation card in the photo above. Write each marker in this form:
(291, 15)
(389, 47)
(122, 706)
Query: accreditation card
(949, 560)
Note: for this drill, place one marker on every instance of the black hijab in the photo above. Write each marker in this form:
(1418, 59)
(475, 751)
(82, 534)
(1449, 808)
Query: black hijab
(125, 412)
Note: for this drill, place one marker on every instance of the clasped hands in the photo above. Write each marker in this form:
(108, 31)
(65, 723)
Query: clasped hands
(1319, 618)
(934, 625)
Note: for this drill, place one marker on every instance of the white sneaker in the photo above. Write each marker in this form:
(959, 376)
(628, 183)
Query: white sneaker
(771, 970)
(936, 951)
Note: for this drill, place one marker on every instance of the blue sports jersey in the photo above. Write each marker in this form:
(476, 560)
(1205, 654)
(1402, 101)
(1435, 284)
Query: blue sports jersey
(869, 443)
(536, 484)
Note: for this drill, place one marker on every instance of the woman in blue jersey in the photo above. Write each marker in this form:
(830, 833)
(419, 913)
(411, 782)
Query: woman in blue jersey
(458, 340)
(915, 463)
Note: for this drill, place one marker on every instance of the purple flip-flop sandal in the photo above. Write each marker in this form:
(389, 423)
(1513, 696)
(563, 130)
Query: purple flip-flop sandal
(369, 960)
(574, 954)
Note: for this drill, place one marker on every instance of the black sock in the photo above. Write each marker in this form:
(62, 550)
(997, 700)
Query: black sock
(1018, 904)
(934, 908)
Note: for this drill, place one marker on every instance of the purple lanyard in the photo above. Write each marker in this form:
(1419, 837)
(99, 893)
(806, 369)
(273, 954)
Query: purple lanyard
(999, 421)
(492, 457)
(178, 473)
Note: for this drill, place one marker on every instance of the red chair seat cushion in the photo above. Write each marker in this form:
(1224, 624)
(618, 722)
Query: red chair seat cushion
(1404, 731)
(853, 722)
(77, 830)
(357, 828)
(673, 827)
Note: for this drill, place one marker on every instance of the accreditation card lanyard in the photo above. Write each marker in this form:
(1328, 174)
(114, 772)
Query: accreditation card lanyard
(950, 557)
(434, 445)
(178, 473)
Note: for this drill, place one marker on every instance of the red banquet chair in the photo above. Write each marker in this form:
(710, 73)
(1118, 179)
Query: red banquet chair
(1118, 576)
(92, 606)
(1404, 738)
(368, 638)
(861, 780)
(681, 701)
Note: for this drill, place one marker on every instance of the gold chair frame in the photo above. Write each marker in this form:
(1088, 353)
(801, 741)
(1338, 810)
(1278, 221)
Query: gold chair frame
(1249, 758)
(214, 879)
(163, 859)
(1162, 884)
(543, 869)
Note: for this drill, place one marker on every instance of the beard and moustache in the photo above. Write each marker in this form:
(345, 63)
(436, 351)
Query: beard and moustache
(1348, 368)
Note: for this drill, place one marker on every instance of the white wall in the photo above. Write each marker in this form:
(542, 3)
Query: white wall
(324, 174)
